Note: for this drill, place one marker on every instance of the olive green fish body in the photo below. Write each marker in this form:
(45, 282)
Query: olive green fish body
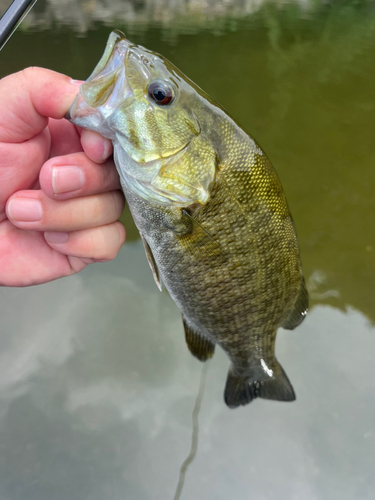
(235, 273)
(210, 210)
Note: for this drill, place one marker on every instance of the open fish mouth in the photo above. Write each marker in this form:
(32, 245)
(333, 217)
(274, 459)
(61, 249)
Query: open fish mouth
(133, 98)
(106, 88)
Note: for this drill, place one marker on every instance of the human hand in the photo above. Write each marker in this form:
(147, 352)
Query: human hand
(60, 196)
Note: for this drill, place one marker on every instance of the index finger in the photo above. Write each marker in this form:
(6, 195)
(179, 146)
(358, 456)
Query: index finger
(29, 98)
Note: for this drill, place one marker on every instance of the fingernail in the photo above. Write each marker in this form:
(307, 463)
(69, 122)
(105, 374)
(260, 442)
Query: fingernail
(77, 83)
(66, 178)
(25, 209)
(106, 146)
(56, 237)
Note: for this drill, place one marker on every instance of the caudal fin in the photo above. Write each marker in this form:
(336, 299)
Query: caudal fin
(240, 390)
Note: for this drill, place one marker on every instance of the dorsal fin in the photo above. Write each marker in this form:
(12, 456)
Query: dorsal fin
(298, 313)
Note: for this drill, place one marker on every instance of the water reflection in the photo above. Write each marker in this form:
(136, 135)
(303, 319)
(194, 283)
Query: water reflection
(98, 389)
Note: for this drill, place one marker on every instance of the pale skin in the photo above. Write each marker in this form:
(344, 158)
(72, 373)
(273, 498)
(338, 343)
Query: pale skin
(60, 197)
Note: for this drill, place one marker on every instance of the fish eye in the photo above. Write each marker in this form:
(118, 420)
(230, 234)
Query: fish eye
(161, 93)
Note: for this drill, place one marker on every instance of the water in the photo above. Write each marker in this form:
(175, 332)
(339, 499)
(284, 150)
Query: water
(97, 387)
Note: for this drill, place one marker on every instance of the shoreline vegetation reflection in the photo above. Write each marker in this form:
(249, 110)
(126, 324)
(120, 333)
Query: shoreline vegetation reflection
(184, 16)
(180, 16)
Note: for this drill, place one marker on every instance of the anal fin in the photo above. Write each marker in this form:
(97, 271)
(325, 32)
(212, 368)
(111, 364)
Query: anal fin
(199, 346)
(299, 311)
(152, 263)
(241, 390)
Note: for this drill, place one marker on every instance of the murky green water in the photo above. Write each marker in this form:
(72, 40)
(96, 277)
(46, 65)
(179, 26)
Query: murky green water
(97, 386)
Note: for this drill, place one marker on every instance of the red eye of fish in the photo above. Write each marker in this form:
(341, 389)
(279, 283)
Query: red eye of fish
(161, 93)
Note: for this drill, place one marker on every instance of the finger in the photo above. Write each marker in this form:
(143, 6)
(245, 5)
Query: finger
(65, 138)
(34, 210)
(100, 243)
(28, 98)
(75, 175)
(96, 146)
(20, 166)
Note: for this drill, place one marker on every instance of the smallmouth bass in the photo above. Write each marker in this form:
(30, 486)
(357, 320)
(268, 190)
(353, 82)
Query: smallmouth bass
(210, 210)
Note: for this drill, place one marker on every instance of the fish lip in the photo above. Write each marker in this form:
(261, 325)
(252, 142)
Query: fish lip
(115, 39)
(87, 113)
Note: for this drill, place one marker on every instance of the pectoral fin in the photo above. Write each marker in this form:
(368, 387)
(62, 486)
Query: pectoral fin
(199, 346)
(152, 263)
(194, 238)
(201, 242)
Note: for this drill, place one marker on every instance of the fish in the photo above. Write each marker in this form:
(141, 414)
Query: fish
(210, 210)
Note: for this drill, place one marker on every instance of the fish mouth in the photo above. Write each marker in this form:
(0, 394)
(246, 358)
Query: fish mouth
(108, 90)
(105, 89)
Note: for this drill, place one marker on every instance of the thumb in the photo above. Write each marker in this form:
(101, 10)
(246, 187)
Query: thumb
(29, 98)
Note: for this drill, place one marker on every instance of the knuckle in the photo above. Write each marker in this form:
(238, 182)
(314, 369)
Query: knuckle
(121, 233)
(118, 201)
(111, 243)
(29, 73)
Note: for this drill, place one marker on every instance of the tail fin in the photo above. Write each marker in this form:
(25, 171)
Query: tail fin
(241, 390)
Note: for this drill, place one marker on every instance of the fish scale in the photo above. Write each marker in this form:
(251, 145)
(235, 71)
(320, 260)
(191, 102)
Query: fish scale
(210, 210)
